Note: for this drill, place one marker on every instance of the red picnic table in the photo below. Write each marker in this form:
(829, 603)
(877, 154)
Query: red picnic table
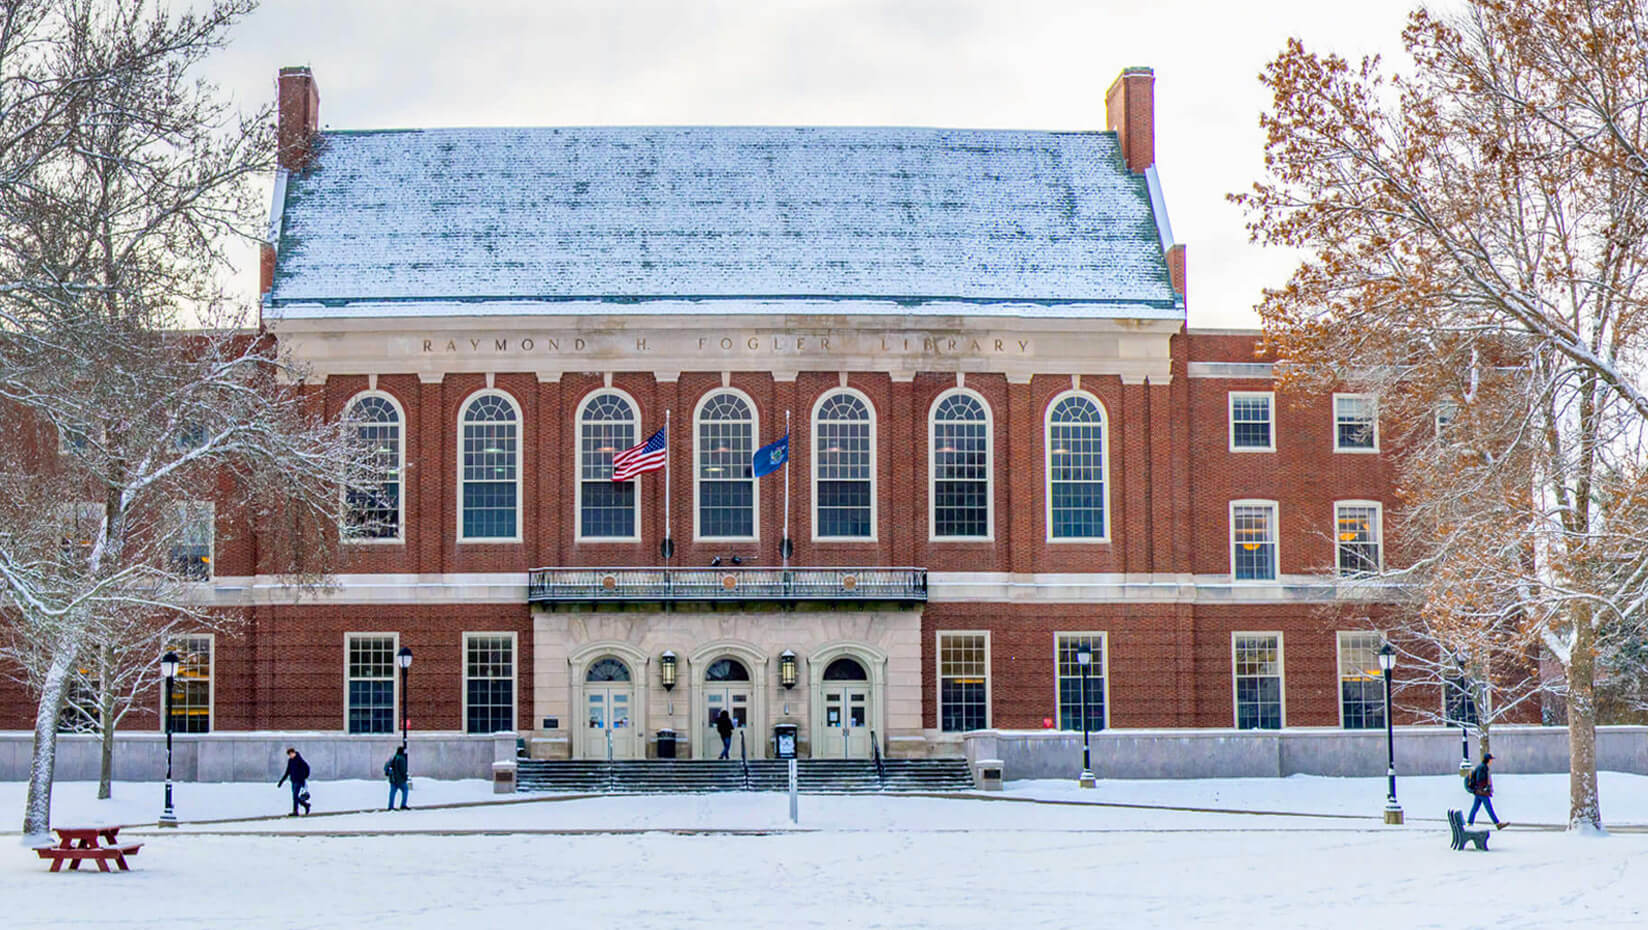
(99, 844)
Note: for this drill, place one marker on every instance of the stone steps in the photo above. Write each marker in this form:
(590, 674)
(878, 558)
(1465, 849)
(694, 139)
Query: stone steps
(696, 776)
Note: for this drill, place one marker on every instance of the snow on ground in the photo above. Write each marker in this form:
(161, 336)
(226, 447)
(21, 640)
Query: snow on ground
(855, 861)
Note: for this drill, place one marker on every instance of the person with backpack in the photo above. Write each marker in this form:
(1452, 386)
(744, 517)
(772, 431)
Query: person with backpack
(723, 726)
(1480, 784)
(298, 771)
(395, 771)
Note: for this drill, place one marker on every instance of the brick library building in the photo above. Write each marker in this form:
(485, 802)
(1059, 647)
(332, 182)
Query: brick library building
(909, 423)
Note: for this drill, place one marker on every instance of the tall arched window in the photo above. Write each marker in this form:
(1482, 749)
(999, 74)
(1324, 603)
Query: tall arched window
(490, 463)
(1076, 468)
(960, 467)
(843, 467)
(372, 506)
(725, 487)
(606, 508)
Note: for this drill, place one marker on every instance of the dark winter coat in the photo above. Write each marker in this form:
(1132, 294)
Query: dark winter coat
(296, 769)
(723, 725)
(1480, 782)
(395, 768)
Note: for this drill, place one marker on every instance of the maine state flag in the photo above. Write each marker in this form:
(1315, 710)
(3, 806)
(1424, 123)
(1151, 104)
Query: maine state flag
(771, 457)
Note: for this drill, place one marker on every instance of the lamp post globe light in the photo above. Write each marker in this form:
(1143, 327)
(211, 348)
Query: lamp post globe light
(1393, 810)
(404, 659)
(1084, 658)
(168, 671)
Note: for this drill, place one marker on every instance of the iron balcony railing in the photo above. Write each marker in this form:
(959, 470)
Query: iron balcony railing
(618, 585)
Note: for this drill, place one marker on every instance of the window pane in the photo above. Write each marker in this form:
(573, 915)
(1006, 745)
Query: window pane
(1075, 468)
(192, 552)
(607, 427)
(1354, 422)
(1361, 683)
(726, 489)
(1070, 682)
(1253, 546)
(490, 468)
(372, 509)
(1258, 682)
(371, 666)
(961, 479)
(1250, 422)
(1357, 528)
(963, 682)
(841, 444)
(489, 678)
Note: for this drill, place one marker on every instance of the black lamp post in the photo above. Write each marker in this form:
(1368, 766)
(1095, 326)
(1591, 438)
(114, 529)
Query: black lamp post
(168, 670)
(404, 658)
(1084, 658)
(1393, 810)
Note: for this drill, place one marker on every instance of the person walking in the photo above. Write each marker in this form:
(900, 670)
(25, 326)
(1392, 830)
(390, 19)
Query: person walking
(1480, 783)
(298, 771)
(395, 770)
(723, 726)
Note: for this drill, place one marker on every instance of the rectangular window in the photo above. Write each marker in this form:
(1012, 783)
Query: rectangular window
(192, 550)
(192, 687)
(82, 525)
(1355, 423)
(963, 681)
(1361, 683)
(371, 682)
(1446, 412)
(1258, 661)
(1253, 540)
(1070, 680)
(80, 712)
(489, 682)
(1356, 528)
(1250, 421)
(1458, 703)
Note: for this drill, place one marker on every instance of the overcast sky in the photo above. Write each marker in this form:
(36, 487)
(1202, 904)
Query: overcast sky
(1013, 64)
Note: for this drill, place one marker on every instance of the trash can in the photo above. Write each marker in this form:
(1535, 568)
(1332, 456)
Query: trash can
(666, 744)
(784, 736)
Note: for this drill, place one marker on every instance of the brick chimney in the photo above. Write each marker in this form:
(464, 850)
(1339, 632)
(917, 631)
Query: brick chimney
(1130, 111)
(299, 108)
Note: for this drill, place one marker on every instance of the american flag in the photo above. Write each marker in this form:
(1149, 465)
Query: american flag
(648, 456)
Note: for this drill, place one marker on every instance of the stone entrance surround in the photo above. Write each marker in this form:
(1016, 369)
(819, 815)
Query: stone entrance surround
(565, 643)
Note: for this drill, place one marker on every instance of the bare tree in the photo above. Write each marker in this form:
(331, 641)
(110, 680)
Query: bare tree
(121, 178)
(1477, 233)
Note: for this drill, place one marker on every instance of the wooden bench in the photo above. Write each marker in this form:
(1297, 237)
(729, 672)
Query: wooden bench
(1461, 835)
(99, 844)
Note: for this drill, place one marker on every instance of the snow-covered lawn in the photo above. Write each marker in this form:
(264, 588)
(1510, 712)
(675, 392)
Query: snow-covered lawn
(854, 861)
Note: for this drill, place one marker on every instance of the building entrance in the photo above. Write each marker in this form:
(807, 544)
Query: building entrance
(608, 699)
(846, 718)
(727, 687)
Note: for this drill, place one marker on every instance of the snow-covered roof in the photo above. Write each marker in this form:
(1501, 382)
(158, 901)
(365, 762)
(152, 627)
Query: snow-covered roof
(479, 215)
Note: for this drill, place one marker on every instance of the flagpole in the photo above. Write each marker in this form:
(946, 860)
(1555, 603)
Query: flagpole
(784, 544)
(669, 550)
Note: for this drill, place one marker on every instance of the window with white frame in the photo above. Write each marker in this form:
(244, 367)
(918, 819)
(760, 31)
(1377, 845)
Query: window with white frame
(1258, 673)
(843, 467)
(81, 713)
(1069, 671)
(1251, 426)
(489, 682)
(82, 523)
(960, 467)
(963, 681)
(491, 469)
(371, 682)
(1446, 412)
(1458, 701)
(606, 509)
(192, 548)
(192, 686)
(1361, 682)
(1076, 469)
(1356, 537)
(726, 484)
(1253, 540)
(1355, 423)
(372, 508)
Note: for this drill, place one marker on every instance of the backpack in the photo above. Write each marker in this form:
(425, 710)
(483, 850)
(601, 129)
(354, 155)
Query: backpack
(1473, 781)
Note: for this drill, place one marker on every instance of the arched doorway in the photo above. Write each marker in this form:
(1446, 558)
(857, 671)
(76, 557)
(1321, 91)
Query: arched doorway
(727, 687)
(846, 694)
(609, 701)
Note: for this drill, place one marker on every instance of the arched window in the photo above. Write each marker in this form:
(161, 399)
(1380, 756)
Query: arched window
(843, 468)
(726, 486)
(960, 467)
(491, 469)
(1075, 468)
(372, 506)
(726, 670)
(606, 508)
(607, 669)
(845, 669)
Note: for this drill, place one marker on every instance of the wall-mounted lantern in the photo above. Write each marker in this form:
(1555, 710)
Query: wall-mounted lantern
(666, 669)
(786, 668)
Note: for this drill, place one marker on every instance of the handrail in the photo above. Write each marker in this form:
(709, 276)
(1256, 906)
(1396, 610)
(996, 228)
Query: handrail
(742, 583)
(875, 753)
(744, 757)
